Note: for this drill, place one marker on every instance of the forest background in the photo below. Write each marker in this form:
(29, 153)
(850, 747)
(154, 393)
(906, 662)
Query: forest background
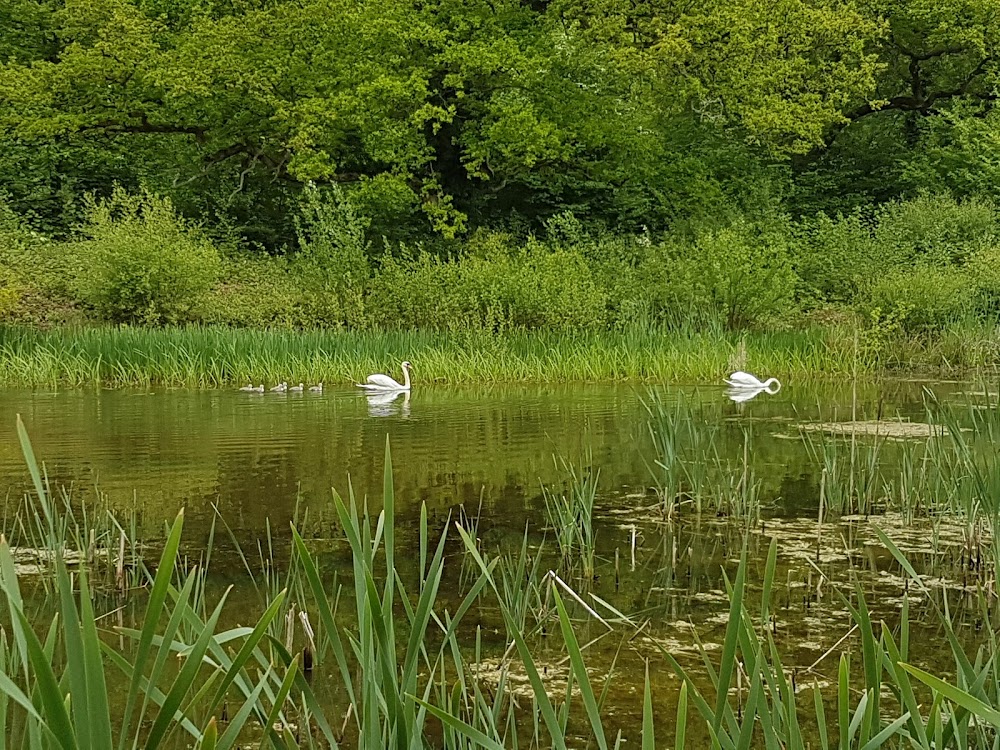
(501, 164)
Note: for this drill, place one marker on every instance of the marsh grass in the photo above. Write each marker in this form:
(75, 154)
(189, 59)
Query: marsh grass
(687, 469)
(50, 526)
(570, 512)
(216, 357)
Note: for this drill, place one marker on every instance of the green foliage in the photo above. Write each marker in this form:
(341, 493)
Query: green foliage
(503, 287)
(939, 230)
(924, 262)
(832, 256)
(958, 153)
(36, 275)
(141, 263)
(720, 161)
(736, 277)
(255, 293)
(925, 298)
(332, 263)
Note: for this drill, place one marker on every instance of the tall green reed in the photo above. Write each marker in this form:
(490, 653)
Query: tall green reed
(216, 356)
(570, 515)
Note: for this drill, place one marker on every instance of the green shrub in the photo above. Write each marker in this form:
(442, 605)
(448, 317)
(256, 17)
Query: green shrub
(255, 293)
(936, 230)
(548, 289)
(332, 263)
(35, 275)
(142, 263)
(836, 257)
(497, 288)
(737, 277)
(833, 257)
(922, 299)
(416, 292)
(983, 274)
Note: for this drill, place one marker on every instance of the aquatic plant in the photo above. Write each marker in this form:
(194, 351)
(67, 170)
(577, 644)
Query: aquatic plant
(570, 514)
(665, 424)
(216, 356)
(62, 700)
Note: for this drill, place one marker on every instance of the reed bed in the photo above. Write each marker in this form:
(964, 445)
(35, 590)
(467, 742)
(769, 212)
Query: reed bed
(207, 357)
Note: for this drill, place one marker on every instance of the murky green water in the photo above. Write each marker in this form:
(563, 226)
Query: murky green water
(256, 455)
(262, 458)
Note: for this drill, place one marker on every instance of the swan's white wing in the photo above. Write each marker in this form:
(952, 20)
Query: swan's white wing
(383, 381)
(740, 379)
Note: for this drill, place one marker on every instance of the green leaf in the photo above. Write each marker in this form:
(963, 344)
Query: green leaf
(648, 735)
(580, 670)
(682, 717)
(727, 666)
(150, 623)
(957, 696)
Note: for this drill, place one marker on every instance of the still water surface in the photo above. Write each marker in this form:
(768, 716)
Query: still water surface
(256, 455)
(260, 457)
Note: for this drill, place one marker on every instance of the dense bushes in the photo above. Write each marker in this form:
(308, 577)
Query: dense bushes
(926, 262)
(922, 265)
(139, 262)
(529, 287)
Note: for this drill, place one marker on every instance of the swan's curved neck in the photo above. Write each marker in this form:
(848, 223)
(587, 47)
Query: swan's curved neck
(775, 381)
(406, 378)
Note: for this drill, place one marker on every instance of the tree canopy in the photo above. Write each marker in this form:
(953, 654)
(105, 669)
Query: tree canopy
(438, 116)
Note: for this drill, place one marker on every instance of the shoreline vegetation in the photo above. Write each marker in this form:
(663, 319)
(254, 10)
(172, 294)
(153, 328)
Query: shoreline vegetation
(214, 356)
(138, 294)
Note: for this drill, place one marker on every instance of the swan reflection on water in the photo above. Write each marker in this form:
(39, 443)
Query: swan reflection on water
(742, 395)
(388, 404)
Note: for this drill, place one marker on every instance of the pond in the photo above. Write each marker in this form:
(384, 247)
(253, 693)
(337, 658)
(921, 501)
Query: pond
(259, 461)
(255, 456)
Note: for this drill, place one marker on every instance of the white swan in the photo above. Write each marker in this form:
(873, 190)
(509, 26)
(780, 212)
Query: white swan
(740, 379)
(297, 388)
(385, 383)
(248, 388)
(280, 388)
(318, 388)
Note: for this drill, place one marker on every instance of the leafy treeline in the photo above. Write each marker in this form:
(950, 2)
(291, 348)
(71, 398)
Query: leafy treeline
(351, 150)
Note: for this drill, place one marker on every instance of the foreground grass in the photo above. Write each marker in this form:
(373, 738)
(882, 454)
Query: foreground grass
(208, 357)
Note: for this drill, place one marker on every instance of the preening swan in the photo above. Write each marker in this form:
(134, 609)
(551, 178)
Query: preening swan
(385, 383)
(740, 379)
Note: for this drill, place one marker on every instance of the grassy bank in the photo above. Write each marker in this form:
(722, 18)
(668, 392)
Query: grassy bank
(220, 357)
(210, 357)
